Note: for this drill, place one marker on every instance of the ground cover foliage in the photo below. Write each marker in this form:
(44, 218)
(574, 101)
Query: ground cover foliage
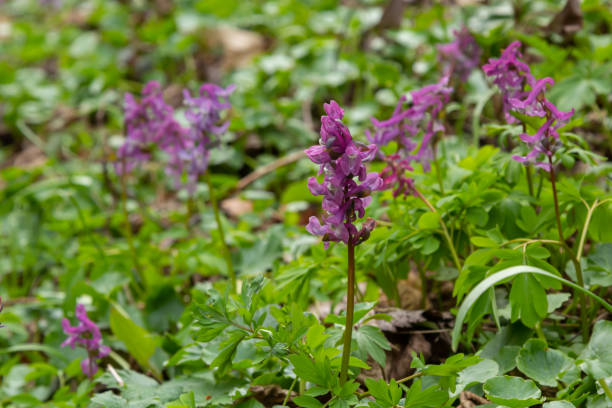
(450, 246)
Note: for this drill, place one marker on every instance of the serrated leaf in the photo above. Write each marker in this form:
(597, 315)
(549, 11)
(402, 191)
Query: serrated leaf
(228, 350)
(371, 339)
(528, 300)
(431, 397)
(309, 370)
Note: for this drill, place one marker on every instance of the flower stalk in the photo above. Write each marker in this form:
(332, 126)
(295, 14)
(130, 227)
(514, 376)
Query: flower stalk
(447, 236)
(226, 251)
(350, 307)
(138, 281)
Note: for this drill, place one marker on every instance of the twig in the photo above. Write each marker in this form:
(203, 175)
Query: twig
(263, 170)
(115, 375)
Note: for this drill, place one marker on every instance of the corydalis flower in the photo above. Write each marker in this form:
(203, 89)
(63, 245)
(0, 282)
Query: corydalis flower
(511, 76)
(203, 112)
(344, 199)
(394, 176)
(524, 94)
(149, 124)
(546, 140)
(87, 335)
(404, 127)
(461, 56)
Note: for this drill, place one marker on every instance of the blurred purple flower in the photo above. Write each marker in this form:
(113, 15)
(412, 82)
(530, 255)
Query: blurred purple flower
(344, 200)
(524, 94)
(511, 76)
(461, 56)
(404, 126)
(87, 335)
(203, 112)
(546, 140)
(149, 124)
(394, 176)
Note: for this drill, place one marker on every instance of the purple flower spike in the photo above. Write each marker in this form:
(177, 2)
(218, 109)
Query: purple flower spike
(511, 76)
(344, 199)
(87, 335)
(461, 56)
(403, 127)
(149, 124)
(524, 94)
(203, 112)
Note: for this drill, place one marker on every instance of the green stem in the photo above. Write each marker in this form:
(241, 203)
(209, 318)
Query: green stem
(590, 211)
(449, 240)
(350, 305)
(579, 277)
(555, 199)
(605, 387)
(226, 251)
(438, 172)
(289, 391)
(139, 283)
(529, 179)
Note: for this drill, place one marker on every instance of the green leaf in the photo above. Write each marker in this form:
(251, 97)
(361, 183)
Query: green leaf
(109, 400)
(476, 374)
(261, 256)
(308, 370)
(542, 364)
(386, 395)
(505, 346)
(140, 343)
(513, 392)
(228, 350)
(556, 300)
(500, 276)
(528, 300)
(558, 404)
(597, 356)
(307, 402)
(355, 362)
(429, 220)
(484, 242)
(371, 339)
(431, 397)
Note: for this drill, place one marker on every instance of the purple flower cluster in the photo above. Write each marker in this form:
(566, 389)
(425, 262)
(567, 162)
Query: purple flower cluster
(150, 124)
(405, 125)
(513, 77)
(87, 335)
(461, 56)
(203, 112)
(344, 200)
